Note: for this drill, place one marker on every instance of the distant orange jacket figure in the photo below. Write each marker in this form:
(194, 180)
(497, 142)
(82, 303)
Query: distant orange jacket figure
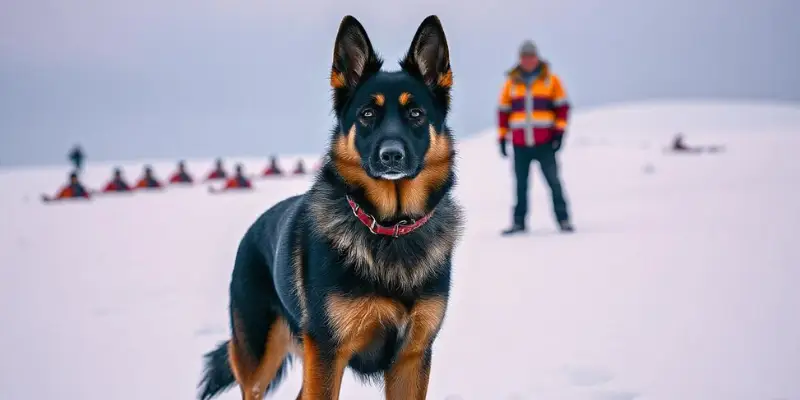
(181, 175)
(73, 190)
(218, 172)
(148, 181)
(238, 181)
(117, 183)
(300, 169)
(273, 168)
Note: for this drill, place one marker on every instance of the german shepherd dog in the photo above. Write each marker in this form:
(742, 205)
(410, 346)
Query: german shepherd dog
(356, 271)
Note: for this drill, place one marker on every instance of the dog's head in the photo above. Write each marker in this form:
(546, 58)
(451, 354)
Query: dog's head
(391, 125)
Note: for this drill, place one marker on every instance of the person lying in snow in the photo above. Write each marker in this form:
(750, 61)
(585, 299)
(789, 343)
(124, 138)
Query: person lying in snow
(117, 183)
(273, 168)
(181, 176)
(148, 181)
(238, 181)
(218, 173)
(73, 190)
(300, 169)
(679, 146)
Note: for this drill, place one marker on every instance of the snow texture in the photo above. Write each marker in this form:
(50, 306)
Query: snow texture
(680, 282)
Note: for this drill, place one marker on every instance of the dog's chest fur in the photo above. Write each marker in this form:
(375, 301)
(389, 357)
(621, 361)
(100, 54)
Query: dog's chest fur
(403, 263)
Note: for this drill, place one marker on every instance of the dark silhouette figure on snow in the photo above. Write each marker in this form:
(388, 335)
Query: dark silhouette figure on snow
(117, 183)
(239, 180)
(300, 168)
(148, 180)
(181, 175)
(76, 157)
(679, 146)
(273, 168)
(218, 172)
(74, 189)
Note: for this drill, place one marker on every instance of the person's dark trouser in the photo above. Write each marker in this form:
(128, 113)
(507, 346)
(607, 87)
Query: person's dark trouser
(523, 157)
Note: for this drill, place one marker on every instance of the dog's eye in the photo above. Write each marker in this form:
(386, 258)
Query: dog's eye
(415, 113)
(367, 113)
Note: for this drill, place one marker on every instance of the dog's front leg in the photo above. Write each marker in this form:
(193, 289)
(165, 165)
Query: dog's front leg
(408, 377)
(323, 369)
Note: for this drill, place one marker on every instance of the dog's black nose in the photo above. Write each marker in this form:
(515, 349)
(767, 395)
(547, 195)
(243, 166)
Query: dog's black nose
(391, 152)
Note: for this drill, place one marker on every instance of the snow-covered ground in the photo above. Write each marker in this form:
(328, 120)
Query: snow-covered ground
(680, 284)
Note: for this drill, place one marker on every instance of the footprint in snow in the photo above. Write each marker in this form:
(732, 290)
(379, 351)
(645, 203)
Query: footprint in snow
(587, 376)
(615, 396)
(209, 330)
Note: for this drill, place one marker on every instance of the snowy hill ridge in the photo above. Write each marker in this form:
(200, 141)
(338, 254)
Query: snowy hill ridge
(679, 284)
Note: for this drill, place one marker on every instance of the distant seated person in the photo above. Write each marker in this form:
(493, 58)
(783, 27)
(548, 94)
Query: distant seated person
(678, 144)
(300, 169)
(117, 183)
(148, 181)
(273, 168)
(239, 180)
(218, 173)
(680, 147)
(181, 176)
(73, 190)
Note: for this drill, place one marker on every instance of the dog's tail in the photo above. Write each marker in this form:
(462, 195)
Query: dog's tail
(218, 375)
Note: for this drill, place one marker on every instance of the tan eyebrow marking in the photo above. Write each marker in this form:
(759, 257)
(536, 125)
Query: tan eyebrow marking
(405, 97)
(380, 99)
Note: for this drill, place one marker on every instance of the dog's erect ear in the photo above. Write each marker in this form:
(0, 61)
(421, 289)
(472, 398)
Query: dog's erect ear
(428, 58)
(353, 56)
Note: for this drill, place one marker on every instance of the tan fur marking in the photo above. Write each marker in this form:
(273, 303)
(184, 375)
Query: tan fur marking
(337, 80)
(408, 378)
(297, 277)
(321, 380)
(355, 319)
(379, 98)
(240, 361)
(380, 193)
(414, 192)
(446, 79)
(253, 379)
(404, 98)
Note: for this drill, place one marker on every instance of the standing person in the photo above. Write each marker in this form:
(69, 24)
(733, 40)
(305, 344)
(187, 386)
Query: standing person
(534, 110)
(76, 158)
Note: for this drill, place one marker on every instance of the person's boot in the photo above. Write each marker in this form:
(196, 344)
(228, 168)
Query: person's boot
(565, 226)
(516, 228)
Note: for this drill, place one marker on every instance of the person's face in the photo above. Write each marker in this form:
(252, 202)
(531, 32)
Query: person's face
(73, 180)
(528, 62)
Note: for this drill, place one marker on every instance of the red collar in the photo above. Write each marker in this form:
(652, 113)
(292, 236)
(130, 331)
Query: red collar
(399, 229)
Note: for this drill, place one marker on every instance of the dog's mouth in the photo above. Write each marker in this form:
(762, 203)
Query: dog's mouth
(392, 176)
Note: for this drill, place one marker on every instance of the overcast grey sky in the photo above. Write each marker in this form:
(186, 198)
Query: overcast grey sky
(200, 78)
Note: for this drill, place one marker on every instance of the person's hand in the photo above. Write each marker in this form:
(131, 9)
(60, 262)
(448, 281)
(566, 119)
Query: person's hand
(503, 151)
(556, 144)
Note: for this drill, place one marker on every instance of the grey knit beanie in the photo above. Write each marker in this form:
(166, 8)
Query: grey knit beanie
(528, 48)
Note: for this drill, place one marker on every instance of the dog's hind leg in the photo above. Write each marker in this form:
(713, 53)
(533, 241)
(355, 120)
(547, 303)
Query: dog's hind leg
(255, 372)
